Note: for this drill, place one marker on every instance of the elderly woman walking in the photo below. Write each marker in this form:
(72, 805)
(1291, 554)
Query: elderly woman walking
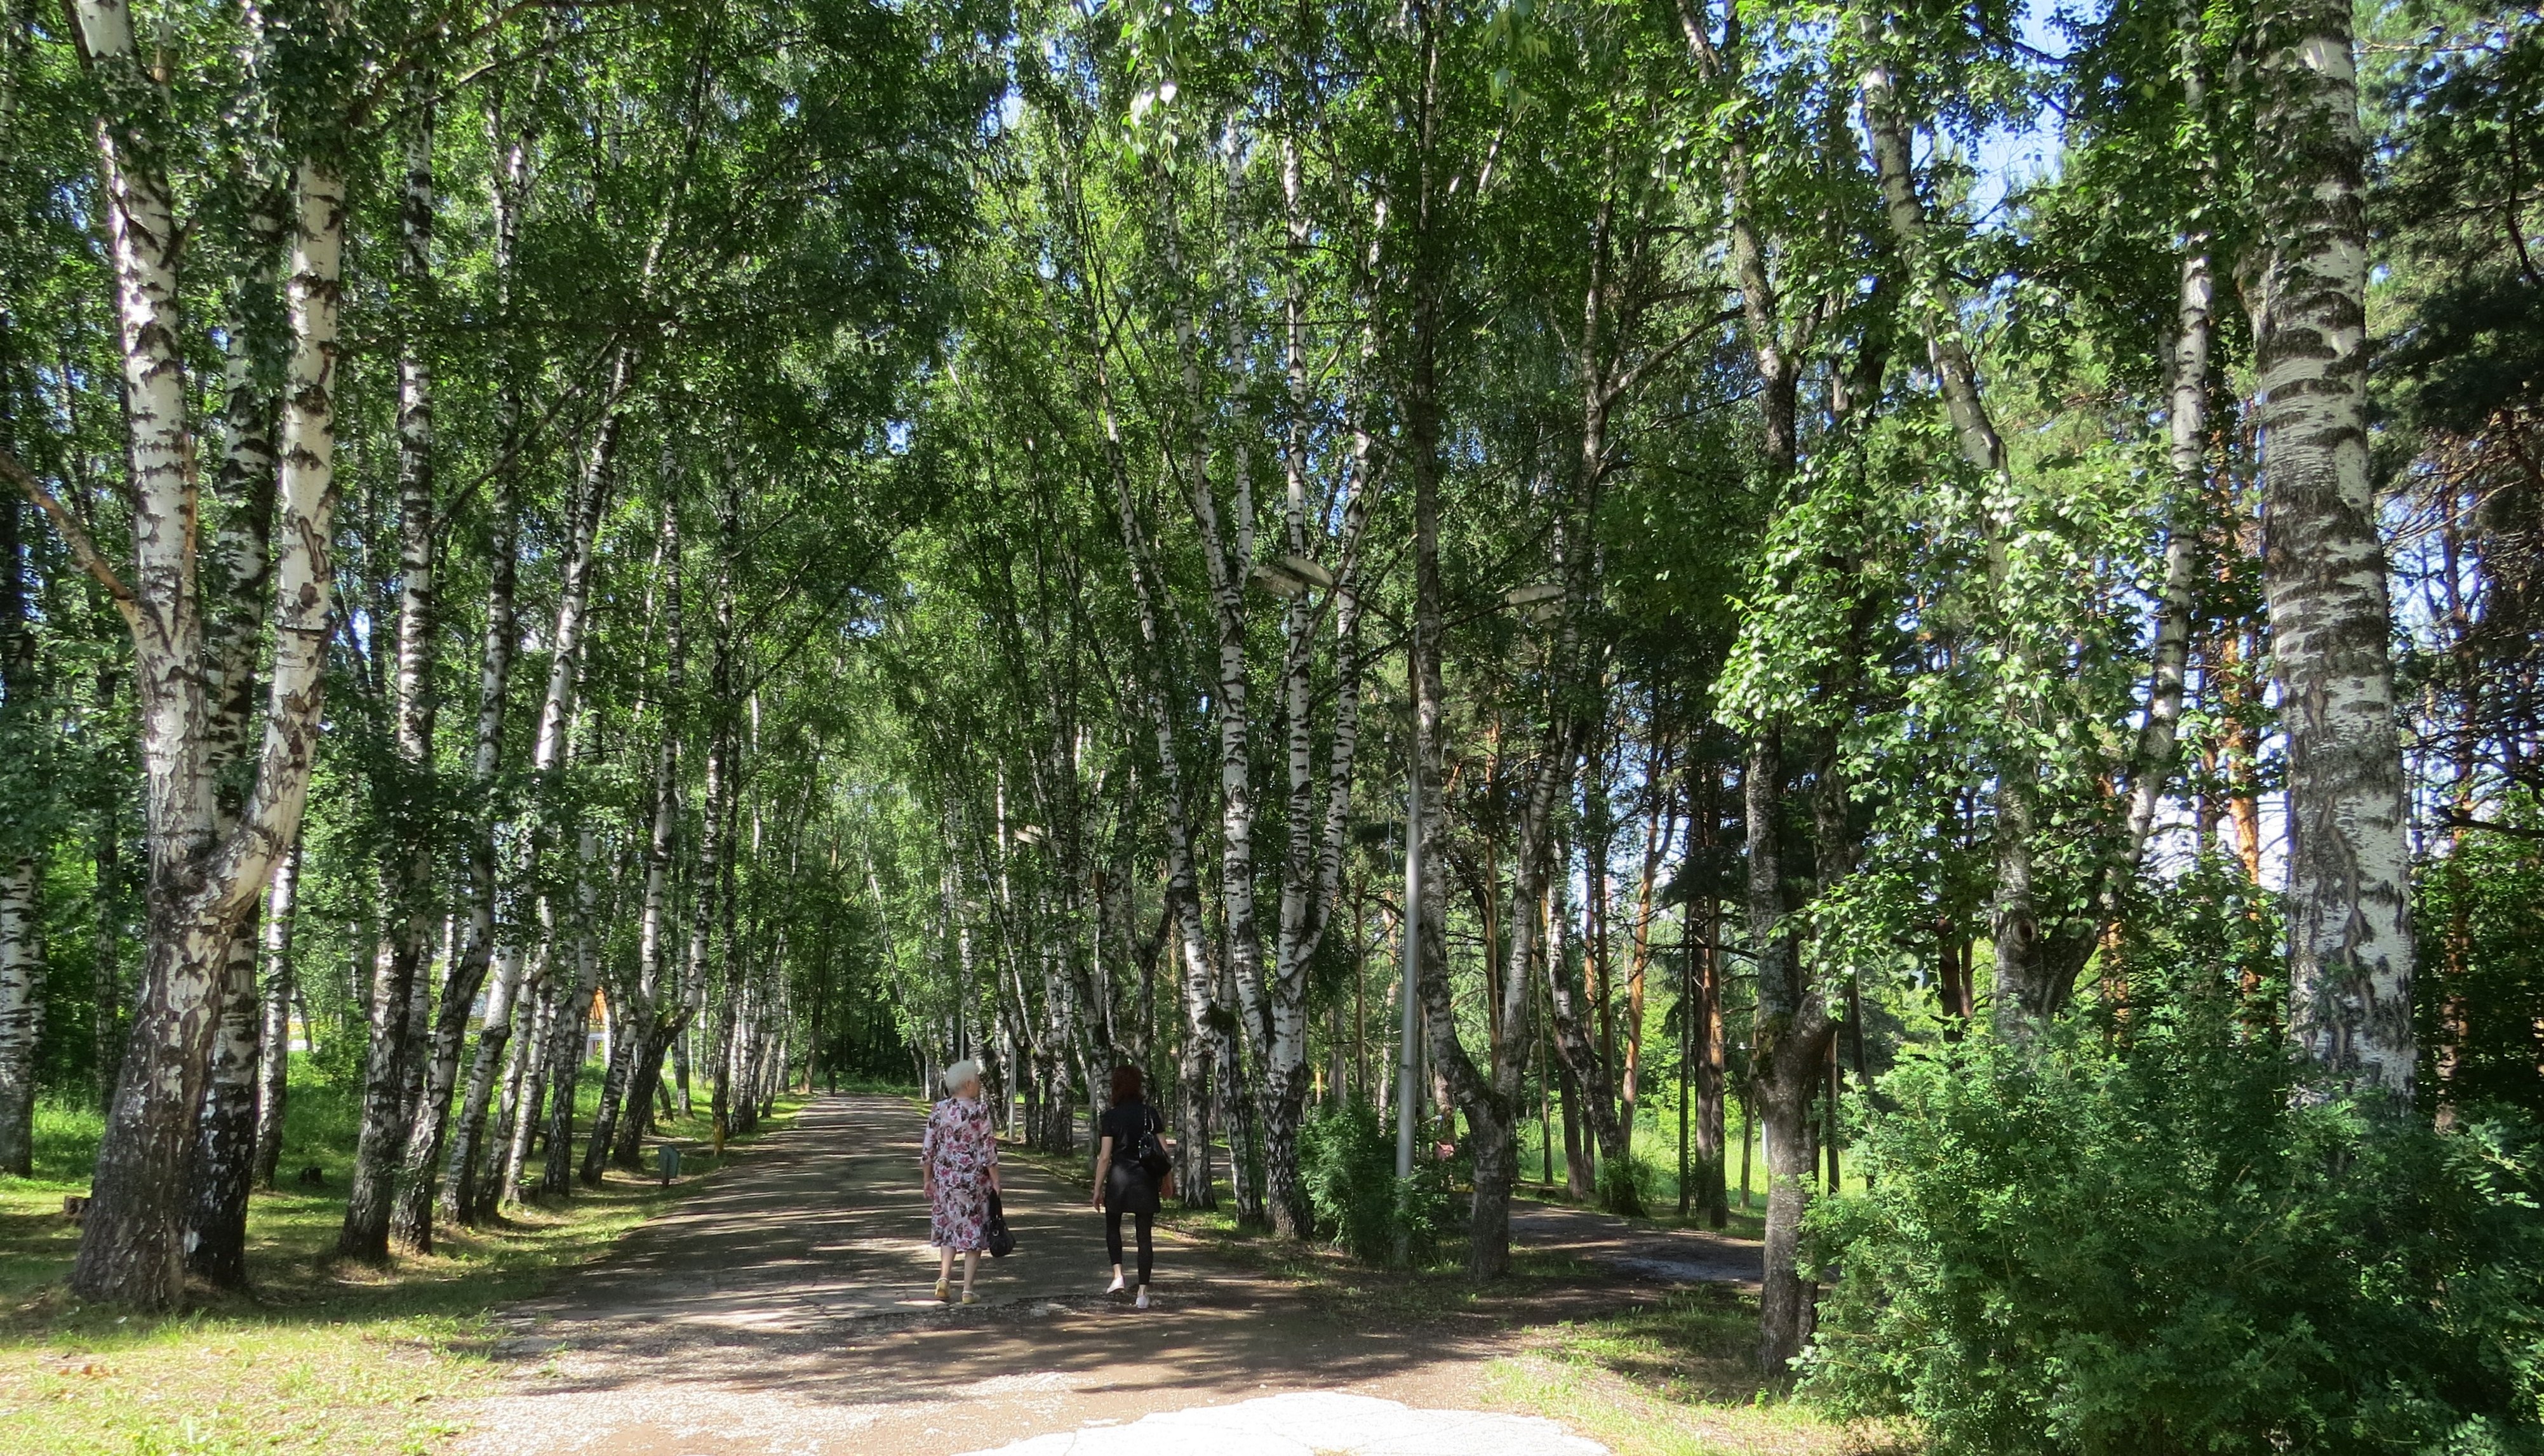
(959, 1167)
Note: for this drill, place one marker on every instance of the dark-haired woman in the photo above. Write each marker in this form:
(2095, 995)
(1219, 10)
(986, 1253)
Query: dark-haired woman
(1124, 1179)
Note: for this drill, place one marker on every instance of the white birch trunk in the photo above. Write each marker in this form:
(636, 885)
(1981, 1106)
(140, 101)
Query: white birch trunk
(390, 1121)
(202, 881)
(508, 184)
(22, 1011)
(274, 1036)
(2349, 896)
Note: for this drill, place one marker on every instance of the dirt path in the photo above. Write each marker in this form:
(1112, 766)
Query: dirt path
(1637, 1250)
(787, 1309)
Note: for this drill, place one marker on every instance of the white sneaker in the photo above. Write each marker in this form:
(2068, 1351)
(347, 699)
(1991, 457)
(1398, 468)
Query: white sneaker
(1117, 1285)
(1142, 1302)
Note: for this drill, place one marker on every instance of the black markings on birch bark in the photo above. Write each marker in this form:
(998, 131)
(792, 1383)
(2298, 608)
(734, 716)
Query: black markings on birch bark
(2349, 895)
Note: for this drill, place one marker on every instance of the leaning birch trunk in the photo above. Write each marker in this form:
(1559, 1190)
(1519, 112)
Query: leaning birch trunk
(526, 1091)
(547, 757)
(462, 1176)
(273, 1036)
(628, 1087)
(2348, 897)
(1225, 562)
(407, 866)
(203, 884)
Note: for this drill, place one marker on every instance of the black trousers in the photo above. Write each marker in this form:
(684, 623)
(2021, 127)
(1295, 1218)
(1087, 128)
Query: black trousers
(1142, 1220)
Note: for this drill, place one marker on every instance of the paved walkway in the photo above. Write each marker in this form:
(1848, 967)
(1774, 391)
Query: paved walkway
(786, 1310)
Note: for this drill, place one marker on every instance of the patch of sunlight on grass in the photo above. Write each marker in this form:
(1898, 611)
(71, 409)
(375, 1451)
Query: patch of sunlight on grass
(1631, 1419)
(319, 1357)
(1673, 1377)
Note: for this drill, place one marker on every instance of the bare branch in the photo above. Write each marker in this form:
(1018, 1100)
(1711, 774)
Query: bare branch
(83, 549)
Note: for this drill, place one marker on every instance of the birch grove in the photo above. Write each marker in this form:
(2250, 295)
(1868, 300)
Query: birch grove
(1587, 606)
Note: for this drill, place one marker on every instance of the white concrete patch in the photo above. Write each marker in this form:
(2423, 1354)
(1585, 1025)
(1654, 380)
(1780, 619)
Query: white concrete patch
(1318, 1424)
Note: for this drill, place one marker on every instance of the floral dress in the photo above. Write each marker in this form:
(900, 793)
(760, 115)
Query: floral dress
(959, 1151)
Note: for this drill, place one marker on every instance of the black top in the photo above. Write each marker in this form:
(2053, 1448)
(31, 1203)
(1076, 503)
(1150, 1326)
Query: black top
(1128, 1187)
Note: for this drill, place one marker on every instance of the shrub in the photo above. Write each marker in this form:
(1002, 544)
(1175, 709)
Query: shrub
(1629, 1185)
(1347, 1162)
(2159, 1243)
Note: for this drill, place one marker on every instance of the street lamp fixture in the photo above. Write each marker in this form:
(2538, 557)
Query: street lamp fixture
(1290, 575)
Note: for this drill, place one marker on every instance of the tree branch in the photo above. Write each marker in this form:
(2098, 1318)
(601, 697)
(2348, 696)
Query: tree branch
(83, 549)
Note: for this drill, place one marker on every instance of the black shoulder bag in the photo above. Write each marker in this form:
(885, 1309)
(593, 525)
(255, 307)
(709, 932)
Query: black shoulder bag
(1152, 1156)
(1002, 1243)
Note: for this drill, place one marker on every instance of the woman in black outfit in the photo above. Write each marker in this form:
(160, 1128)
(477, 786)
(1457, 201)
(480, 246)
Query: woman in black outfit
(1123, 1185)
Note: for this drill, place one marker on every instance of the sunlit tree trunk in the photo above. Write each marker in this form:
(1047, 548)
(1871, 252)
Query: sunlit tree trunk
(202, 883)
(274, 1036)
(2349, 896)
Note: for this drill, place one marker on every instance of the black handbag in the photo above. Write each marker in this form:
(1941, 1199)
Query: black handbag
(1152, 1157)
(1002, 1243)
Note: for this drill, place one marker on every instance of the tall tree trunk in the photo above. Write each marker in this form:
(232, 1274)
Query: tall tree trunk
(556, 1175)
(22, 960)
(2348, 898)
(468, 1173)
(1193, 1178)
(1226, 559)
(204, 882)
(273, 1036)
(655, 1013)
(1789, 1053)
(389, 1112)
(508, 182)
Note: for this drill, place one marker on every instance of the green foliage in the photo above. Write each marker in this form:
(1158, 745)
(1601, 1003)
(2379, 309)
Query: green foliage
(1630, 1185)
(2161, 1241)
(1347, 1163)
(2483, 980)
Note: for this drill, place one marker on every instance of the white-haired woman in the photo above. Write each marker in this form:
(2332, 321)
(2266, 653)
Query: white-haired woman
(959, 1167)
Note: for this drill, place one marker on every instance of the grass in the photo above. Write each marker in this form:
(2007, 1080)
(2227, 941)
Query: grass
(1672, 1377)
(319, 1356)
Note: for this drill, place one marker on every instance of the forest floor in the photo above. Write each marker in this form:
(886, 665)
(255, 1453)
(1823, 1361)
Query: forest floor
(787, 1308)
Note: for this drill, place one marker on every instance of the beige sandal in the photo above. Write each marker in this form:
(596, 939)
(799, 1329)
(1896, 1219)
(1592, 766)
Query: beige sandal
(945, 1292)
(970, 1298)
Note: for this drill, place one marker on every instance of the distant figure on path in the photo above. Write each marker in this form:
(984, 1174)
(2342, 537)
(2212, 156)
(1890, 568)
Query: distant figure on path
(959, 1166)
(1130, 1169)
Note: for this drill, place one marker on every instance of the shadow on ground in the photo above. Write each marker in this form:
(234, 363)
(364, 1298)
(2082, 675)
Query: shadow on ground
(788, 1307)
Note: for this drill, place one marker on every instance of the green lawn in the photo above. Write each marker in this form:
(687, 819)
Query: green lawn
(319, 1356)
